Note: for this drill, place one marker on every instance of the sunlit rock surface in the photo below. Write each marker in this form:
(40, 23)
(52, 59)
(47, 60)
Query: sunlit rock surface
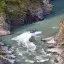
(60, 41)
(4, 27)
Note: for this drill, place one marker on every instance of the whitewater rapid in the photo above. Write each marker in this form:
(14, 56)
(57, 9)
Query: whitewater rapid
(24, 39)
(31, 49)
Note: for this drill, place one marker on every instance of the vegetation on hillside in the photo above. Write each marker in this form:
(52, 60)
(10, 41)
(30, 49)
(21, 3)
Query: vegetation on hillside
(15, 6)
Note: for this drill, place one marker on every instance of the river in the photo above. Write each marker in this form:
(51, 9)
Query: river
(49, 26)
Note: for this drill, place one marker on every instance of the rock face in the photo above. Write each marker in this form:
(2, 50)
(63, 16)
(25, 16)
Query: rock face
(4, 28)
(27, 11)
(22, 12)
(60, 43)
(60, 35)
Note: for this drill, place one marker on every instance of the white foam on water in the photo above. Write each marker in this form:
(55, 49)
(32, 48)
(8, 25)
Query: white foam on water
(24, 39)
(48, 54)
(26, 36)
(30, 61)
(37, 32)
(42, 51)
(40, 59)
(20, 54)
(54, 27)
(43, 60)
(32, 46)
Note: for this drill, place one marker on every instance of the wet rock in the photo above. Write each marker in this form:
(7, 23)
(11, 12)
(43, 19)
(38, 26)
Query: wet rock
(1, 44)
(44, 40)
(56, 60)
(4, 61)
(59, 51)
(6, 54)
(50, 46)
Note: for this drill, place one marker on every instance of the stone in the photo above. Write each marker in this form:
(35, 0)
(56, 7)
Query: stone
(1, 44)
(60, 34)
(6, 55)
(3, 31)
(4, 61)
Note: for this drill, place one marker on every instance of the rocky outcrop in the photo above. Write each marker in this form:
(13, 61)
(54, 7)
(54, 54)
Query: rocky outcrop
(27, 11)
(60, 43)
(56, 44)
(58, 48)
(4, 28)
(6, 54)
(22, 12)
(60, 35)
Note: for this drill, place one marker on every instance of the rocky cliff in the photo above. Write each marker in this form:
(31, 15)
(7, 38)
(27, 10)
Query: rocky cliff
(20, 12)
(60, 34)
(60, 44)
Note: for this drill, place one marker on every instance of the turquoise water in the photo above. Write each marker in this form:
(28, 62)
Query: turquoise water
(46, 25)
(49, 26)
